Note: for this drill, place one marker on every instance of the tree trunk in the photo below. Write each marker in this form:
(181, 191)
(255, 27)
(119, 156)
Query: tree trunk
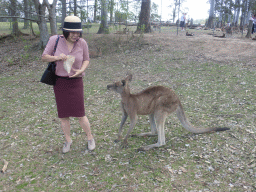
(144, 19)
(249, 33)
(237, 12)
(250, 10)
(44, 35)
(111, 10)
(75, 8)
(211, 14)
(220, 23)
(63, 11)
(26, 22)
(104, 18)
(70, 10)
(52, 16)
(174, 10)
(15, 27)
(95, 11)
(243, 17)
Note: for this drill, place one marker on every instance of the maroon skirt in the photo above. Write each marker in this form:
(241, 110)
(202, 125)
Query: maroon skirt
(69, 95)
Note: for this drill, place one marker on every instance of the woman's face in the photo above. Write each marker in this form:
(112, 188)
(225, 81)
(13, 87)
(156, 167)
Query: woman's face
(73, 36)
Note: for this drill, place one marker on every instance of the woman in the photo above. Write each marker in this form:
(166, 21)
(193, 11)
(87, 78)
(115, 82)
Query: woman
(68, 90)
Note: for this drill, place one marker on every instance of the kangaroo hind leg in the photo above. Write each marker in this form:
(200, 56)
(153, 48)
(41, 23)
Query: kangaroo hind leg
(152, 126)
(159, 118)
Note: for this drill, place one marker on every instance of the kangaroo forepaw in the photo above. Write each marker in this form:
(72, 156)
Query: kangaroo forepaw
(143, 149)
(124, 145)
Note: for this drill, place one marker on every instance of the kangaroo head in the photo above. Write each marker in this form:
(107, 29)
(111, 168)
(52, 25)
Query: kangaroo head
(121, 86)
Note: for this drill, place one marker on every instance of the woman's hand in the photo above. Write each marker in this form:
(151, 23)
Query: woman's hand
(62, 57)
(81, 70)
(77, 73)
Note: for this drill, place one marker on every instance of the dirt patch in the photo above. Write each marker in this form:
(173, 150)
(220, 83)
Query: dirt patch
(204, 46)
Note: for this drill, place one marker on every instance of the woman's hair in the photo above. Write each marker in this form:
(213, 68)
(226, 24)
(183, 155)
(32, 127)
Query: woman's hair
(66, 34)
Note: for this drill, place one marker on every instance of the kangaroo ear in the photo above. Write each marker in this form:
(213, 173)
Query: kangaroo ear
(123, 81)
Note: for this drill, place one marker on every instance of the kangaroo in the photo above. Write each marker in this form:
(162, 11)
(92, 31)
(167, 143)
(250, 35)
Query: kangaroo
(189, 34)
(157, 102)
(95, 53)
(125, 30)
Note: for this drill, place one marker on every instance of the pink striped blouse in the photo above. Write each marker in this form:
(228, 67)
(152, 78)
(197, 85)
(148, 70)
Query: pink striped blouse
(80, 51)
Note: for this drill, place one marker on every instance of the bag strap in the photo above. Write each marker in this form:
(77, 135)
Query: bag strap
(55, 47)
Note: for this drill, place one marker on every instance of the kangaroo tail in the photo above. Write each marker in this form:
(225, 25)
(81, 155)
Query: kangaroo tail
(185, 123)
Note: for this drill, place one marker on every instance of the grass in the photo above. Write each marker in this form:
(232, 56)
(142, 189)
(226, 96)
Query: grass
(213, 94)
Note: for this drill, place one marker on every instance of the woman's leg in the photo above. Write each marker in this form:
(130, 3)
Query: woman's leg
(84, 122)
(65, 125)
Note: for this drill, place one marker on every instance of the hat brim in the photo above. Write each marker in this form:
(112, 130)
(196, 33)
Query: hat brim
(72, 30)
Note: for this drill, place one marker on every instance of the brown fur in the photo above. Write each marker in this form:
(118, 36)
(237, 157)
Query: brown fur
(125, 30)
(189, 34)
(158, 102)
(95, 53)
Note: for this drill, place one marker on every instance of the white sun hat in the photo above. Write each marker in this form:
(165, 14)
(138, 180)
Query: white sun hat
(72, 24)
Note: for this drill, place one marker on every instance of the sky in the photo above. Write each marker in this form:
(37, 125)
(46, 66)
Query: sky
(196, 9)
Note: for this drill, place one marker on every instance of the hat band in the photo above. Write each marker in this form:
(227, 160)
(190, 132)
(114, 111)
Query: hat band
(71, 25)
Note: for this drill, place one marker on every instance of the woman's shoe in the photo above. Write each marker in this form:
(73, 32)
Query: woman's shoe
(66, 147)
(91, 144)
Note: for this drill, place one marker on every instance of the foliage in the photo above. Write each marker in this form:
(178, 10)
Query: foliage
(154, 12)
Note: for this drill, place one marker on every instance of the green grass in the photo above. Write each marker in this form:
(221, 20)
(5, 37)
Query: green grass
(212, 93)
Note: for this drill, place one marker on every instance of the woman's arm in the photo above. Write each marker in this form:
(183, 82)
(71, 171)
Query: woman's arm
(50, 58)
(80, 71)
(84, 65)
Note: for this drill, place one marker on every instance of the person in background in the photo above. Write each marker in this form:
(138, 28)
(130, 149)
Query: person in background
(182, 21)
(69, 93)
(254, 23)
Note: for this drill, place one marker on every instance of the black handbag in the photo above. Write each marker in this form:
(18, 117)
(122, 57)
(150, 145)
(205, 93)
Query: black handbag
(49, 76)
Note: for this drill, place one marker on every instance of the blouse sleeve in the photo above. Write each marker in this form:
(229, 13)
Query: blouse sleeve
(85, 51)
(50, 45)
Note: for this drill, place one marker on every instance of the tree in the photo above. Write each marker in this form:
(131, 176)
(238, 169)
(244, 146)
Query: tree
(75, 8)
(26, 22)
(220, 7)
(174, 10)
(63, 11)
(104, 15)
(40, 10)
(237, 9)
(249, 32)
(95, 10)
(111, 10)
(211, 14)
(154, 12)
(144, 18)
(52, 15)
(15, 27)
